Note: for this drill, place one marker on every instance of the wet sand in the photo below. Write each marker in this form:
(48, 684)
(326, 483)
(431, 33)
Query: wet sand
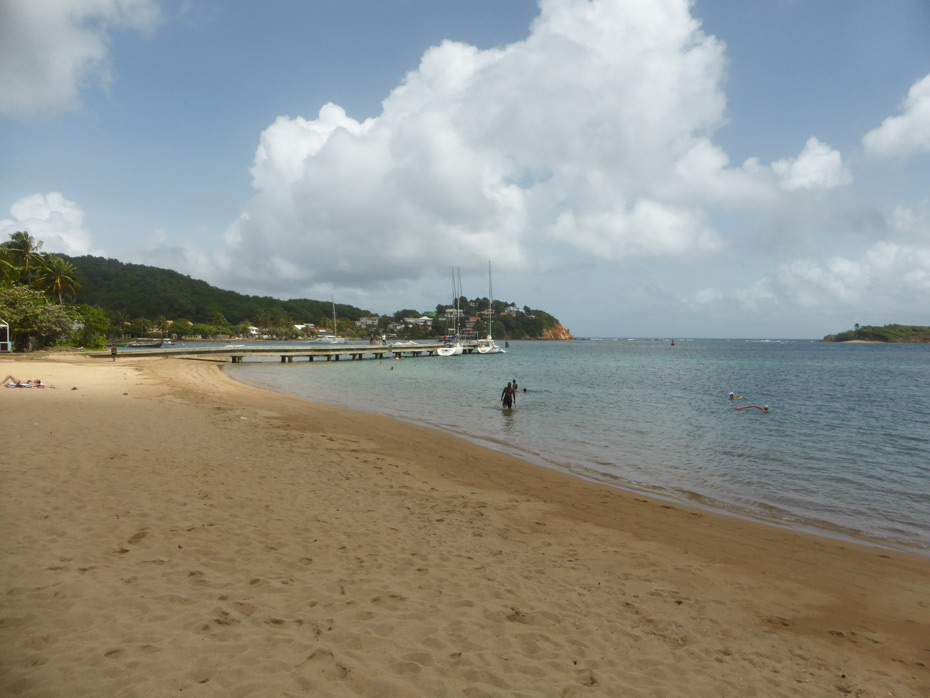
(166, 530)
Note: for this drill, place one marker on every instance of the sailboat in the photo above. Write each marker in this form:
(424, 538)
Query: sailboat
(488, 345)
(453, 347)
(334, 338)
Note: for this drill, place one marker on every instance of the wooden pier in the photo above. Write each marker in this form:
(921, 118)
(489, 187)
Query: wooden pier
(330, 352)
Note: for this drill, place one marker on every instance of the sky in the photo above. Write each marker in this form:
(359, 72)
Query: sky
(637, 168)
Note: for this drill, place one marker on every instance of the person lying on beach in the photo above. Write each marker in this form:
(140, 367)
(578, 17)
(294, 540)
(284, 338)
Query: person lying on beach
(12, 382)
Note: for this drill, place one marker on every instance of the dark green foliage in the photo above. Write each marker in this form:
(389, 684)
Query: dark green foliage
(148, 296)
(888, 333)
(93, 327)
(516, 324)
(139, 301)
(142, 291)
(406, 312)
(34, 322)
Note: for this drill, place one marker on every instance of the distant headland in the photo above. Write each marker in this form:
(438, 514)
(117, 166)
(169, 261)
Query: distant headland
(51, 299)
(898, 334)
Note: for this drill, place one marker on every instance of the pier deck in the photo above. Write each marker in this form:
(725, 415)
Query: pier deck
(331, 352)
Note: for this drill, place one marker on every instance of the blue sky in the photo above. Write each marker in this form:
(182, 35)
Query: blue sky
(717, 168)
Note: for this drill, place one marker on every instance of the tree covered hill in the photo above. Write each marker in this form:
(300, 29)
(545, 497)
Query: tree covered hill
(50, 299)
(131, 291)
(137, 290)
(914, 334)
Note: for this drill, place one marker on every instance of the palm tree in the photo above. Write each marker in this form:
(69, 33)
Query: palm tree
(56, 275)
(119, 320)
(9, 272)
(25, 251)
(144, 324)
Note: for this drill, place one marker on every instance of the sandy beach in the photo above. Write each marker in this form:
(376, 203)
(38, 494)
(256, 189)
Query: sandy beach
(168, 531)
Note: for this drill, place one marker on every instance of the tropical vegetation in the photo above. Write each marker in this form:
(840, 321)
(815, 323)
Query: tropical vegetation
(888, 333)
(29, 281)
(87, 301)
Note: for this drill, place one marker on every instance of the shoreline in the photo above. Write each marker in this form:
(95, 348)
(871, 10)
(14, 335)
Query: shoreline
(169, 527)
(761, 512)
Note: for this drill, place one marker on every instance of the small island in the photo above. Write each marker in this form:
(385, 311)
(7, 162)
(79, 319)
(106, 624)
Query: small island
(898, 334)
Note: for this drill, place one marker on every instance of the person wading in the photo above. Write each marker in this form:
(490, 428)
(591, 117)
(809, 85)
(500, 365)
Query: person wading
(507, 396)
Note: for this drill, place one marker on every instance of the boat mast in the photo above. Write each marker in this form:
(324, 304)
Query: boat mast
(490, 302)
(458, 296)
(455, 307)
(335, 331)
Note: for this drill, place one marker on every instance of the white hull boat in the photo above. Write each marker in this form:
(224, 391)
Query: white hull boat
(488, 345)
(453, 347)
(450, 349)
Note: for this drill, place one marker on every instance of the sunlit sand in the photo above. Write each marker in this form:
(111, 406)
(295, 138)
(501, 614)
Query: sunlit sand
(167, 531)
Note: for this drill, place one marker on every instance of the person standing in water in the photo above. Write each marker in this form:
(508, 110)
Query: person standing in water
(507, 396)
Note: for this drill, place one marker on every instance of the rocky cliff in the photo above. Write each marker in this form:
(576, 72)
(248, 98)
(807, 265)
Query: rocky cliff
(557, 332)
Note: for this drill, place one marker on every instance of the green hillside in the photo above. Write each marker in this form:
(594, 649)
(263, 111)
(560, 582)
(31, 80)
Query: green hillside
(138, 290)
(913, 334)
(50, 299)
(130, 292)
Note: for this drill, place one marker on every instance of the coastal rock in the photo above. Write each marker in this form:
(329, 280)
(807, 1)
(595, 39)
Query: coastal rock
(556, 332)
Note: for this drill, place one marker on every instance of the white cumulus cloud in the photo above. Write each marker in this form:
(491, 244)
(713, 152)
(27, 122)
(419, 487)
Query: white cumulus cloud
(590, 137)
(51, 50)
(648, 229)
(890, 279)
(913, 224)
(817, 167)
(52, 219)
(906, 134)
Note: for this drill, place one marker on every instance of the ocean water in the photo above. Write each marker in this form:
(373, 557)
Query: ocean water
(844, 449)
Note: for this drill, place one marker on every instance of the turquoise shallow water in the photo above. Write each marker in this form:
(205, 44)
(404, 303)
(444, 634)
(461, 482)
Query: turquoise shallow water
(845, 447)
